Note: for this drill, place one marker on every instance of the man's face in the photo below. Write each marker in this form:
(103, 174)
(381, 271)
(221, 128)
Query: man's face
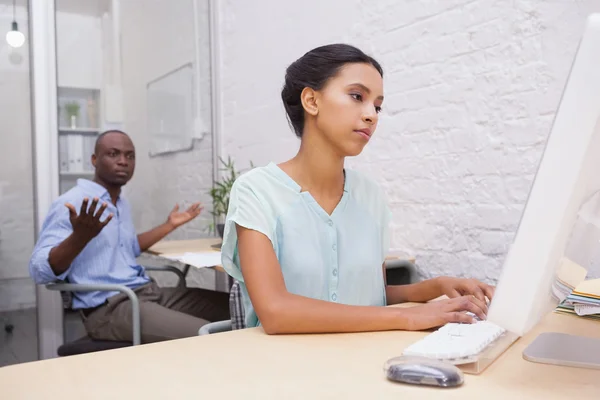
(114, 159)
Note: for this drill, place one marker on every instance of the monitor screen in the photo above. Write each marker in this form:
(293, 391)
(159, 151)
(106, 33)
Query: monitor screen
(560, 217)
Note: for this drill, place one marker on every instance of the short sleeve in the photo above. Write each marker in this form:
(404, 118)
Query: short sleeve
(249, 210)
(135, 243)
(386, 219)
(55, 230)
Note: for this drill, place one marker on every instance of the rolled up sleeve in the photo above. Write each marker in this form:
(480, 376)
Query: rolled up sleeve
(137, 251)
(55, 229)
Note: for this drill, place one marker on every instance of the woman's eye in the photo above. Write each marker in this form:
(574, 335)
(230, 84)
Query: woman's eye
(356, 96)
(377, 110)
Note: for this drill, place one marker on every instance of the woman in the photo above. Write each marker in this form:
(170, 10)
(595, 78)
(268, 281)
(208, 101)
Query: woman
(307, 239)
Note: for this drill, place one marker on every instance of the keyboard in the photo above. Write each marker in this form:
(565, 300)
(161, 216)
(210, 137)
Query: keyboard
(456, 342)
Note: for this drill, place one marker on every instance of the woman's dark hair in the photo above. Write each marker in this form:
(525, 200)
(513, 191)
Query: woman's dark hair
(313, 70)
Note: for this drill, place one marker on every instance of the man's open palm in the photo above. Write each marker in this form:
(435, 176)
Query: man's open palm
(87, 224)
(178, 218)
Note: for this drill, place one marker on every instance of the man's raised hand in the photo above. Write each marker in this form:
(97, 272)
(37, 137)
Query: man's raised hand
(87, 224)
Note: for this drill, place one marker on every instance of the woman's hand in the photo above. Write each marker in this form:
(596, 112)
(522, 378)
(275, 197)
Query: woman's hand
(456, 287)
(441, 312)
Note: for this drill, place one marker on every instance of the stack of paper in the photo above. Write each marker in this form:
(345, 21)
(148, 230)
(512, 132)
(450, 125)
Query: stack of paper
(583, 301)
(568, 276)
(201, 259)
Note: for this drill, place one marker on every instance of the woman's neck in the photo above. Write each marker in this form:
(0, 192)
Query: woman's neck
(317, 167)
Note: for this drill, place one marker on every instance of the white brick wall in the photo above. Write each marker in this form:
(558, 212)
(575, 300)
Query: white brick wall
(155, 42)
(471, 90)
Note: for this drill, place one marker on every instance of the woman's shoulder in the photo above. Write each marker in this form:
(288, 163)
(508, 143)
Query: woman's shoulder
(256, 179)
(367, 192)
(263, 183)
(363, 185)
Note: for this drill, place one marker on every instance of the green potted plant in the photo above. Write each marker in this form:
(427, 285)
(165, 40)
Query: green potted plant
(220, 194)
(72, 109)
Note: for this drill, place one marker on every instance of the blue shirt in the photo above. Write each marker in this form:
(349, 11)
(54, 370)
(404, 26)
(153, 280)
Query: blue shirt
(109, 258)
(335, 257)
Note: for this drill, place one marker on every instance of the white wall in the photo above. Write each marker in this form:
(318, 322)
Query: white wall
(79, 51)
(155, 42)
(16, 187)
(79, 65)
(471, 90)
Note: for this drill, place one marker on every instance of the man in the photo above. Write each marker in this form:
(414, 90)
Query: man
(99, 245)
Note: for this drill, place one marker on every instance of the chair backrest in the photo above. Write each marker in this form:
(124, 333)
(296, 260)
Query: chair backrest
(236, 307)
(67, 299)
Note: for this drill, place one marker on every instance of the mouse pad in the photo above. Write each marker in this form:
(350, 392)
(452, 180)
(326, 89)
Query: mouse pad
(563, 349)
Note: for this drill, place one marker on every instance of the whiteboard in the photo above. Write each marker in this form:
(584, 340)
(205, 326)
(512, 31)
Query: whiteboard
(171, 111)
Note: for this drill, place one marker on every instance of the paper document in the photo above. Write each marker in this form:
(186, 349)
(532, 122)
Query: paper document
(199, 260)
(589, 288)
(586, 309)
(570, 273)
(568, 276)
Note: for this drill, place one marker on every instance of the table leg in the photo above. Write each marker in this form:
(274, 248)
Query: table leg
(186, 269)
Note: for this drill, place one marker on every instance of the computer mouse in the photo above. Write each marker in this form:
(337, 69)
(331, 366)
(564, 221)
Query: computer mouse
(423, 371)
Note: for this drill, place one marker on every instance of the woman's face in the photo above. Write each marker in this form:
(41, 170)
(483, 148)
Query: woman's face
(348, 107)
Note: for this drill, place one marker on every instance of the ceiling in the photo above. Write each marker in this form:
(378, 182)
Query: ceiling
(83, 7)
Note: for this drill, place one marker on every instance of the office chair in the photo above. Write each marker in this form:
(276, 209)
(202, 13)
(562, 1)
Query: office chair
(86, 344)
(398, 272)
(8, 327)
(236, 311)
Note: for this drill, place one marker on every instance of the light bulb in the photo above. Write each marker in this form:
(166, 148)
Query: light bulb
(14, 38)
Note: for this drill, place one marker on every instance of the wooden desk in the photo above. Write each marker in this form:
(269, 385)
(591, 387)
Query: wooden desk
(251, 364)
(175, 247)
(167, 248)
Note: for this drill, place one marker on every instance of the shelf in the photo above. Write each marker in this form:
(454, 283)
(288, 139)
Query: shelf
(76, 91)
(89, 131)
(77, 173)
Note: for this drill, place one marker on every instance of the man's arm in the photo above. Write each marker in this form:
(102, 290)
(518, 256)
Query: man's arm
(63, 236)
(55, 230)
(86, 226)
(149, 238)
(175, 220)
(61, 256)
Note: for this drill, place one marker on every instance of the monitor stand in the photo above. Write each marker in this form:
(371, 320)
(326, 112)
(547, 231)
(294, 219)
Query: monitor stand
(563, 349)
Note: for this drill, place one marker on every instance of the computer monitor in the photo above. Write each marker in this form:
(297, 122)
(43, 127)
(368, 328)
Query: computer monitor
(567, 179)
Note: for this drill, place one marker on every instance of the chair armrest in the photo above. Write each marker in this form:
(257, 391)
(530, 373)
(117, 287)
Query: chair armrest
(215, 327)
(402, 263)
(135, 305)
(169, 268)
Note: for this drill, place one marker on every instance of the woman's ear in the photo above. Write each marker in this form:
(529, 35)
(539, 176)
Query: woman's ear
(308, 97)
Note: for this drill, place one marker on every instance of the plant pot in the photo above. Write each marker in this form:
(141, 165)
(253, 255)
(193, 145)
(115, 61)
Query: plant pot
(220, 230)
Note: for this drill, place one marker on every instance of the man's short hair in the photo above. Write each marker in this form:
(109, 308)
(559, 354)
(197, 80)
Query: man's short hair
(100, 136)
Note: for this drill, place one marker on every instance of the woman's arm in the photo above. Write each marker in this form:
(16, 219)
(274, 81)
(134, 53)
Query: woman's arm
(433, 288)
(282, 312)
(419, 292)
